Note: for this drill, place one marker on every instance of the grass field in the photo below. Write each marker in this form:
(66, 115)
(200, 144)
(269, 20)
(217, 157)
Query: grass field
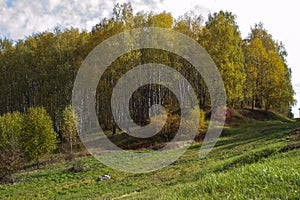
(254, 159)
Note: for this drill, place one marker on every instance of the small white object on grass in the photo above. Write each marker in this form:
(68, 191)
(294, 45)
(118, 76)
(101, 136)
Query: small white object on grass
(103, 178)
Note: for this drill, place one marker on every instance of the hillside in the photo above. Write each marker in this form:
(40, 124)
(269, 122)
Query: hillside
(258, 157)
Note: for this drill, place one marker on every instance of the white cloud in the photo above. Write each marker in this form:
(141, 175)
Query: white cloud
(179, 8)
(27, 17)
(53, 4)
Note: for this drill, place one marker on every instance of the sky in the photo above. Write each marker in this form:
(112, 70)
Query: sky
(21, 18)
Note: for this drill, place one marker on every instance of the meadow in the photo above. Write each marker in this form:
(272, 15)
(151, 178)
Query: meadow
(254, 159)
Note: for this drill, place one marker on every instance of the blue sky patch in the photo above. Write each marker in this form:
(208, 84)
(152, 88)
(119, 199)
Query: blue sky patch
(10, 3)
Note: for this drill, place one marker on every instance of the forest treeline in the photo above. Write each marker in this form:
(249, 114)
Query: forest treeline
(40, 70)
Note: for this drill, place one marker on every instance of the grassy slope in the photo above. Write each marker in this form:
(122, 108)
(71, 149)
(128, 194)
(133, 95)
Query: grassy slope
(245, 164)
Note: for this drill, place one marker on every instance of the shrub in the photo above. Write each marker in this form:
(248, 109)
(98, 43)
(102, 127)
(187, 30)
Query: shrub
(11, 155)
(38, 137)
(171, 125)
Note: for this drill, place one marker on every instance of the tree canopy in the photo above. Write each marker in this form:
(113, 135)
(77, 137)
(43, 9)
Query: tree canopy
(40, 70)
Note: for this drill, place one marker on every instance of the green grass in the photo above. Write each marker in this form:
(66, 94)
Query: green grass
(245, 164)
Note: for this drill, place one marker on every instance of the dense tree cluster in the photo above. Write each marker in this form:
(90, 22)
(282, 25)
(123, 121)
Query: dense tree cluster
(268, 76)
(40, 70)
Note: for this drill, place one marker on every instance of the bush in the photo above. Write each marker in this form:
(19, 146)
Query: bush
(38, 137)
(11, 154)
(170, 128)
